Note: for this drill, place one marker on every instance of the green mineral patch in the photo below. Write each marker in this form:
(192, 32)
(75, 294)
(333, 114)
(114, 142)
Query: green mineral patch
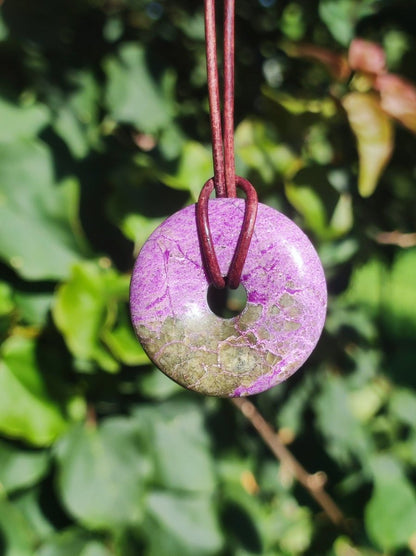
(290, 325)
(236, 359)
(173, 354)
(250, 316)
(190, 371)
(263, 333)
(274, 310)
(172, 330)
(210, 355)
(272, 359)
(286, 300)
(251, 338)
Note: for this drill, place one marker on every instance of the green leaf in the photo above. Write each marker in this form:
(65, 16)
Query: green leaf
(325, 107)
(341, 16)
(73, 542)
(258, 147)
(292, 411)
(17, 537)
(181, 524)
(70, 129)
(138, 227)
(134, 96)
(27, 411)
(30, 503)
(391, 295)
(4, 32)
(366, 285)
(21, 122)
(400, 296)
(157, 385)
(373, 130)
(180, 445)
(6, 300)
(326, 212)
(402, 404)
(289, 526)
(76, 119)
(122, 341)
(33, 307)
(38, 236)
(21, 468)
(195, 168)
(92, 479)
(85, 310)
(390, 516)
(345, 438)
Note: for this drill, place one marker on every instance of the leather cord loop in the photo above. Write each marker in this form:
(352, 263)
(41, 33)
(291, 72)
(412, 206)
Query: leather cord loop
(205, 236)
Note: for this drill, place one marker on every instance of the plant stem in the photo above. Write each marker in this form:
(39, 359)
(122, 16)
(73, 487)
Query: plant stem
(314, 483)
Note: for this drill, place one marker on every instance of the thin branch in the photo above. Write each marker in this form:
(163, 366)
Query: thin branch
(396, 238)
(314, 483)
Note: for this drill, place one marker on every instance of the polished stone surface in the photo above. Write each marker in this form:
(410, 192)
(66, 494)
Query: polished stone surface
(253, 351)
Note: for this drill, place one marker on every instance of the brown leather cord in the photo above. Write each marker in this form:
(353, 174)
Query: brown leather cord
(225, 182)
(214, 98)
(244, 239)
(229, 25)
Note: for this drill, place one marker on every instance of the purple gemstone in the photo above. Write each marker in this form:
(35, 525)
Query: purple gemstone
(253, 351)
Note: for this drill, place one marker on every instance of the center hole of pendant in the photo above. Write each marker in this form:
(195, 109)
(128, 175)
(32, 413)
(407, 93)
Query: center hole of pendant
(227, 303)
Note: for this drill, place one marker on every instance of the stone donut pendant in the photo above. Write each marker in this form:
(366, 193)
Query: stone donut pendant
(253, 351)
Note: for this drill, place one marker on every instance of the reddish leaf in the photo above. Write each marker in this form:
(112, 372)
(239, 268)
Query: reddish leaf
(374, 133)
(335, 63)
(367, 57)
(398, 99)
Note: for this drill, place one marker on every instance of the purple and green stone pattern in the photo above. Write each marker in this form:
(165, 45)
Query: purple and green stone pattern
(253, 351)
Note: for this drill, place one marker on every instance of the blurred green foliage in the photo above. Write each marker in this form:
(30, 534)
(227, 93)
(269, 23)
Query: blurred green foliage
(104, 132)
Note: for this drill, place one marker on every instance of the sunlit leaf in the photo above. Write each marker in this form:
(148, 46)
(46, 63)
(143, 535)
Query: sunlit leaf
(27, 411)
(398, 99)
(327, 213)
(326, 107)
(6, 300)
(258, 147)
(366, 285)
(399, 300)
(366, 56)
(195, 168)
(122, 341)
(85, 310)
(341, 16)
(138, 228)
(374, 134)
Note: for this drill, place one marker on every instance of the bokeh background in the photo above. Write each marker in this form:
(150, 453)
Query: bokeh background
(104, 132)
